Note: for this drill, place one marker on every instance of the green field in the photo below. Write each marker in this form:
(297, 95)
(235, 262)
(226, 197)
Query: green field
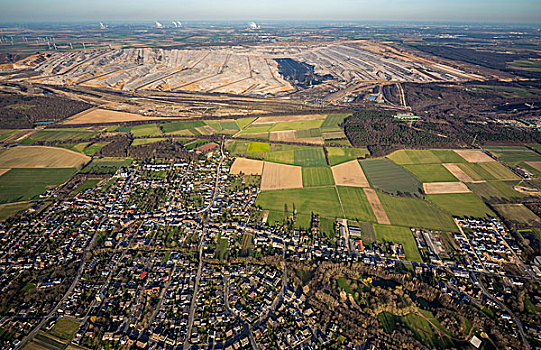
(174, 127)
(412, 212)
(139, 142)
(237, 147)
(339, 155)
(8, 210)
(356, 206)
(89, 183)
(285, 157)
(514, 154)
(307, 133)
(487, 171)
(256, 129)
(145, 130)
(310, 157)
(389, 177)
(317, 176)
(258, 147)
(296, 125)
(430, 172)
(461, 204)
(50, 135)
(106, 165)
(434, 156)
(24, 184)
(232, 125)
(93, 148)
(243, 122)
(65, 329)
(496, 190)
(517, 213)
(332, 122)
(320, 200)
(401, 235)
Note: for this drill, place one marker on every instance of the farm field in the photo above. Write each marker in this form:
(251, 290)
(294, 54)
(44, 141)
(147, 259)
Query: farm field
(517, 213)
(139, 142)
(41, 157)
(107, 165)
(401, 235)
(349, 174)
(89, 183)
(280, 176)
(321, 200)
(25, 184)
(97, 116)
(496, 190)
(145, 130)
(8, 210)
(51, 135)
(435, 156)
(355, 204)
(514, 154)
(412, 212)
(445, 187)
(389, 177)
(247, 166)
(285, 157)
(93, 148)
(461, 204)
(178, 127)
(333, 121)
(316, 176)
(487, 171)
(377, 207)
(430, 172)
(473, 156)
(339, 155)
(258, 147)
(310, 157)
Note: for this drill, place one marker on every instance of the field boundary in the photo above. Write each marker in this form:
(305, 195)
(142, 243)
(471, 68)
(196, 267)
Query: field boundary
(377, 207)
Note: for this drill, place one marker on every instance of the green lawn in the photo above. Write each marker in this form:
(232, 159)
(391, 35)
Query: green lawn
(310, 157)
(461, 204)
(146, 130)
(389, 177)
(320, 200)
(24, 184)
(356, 206)
(412, 212)
(401, 235)
(317, 176)
(430, 172)
(258, 147)
(65, 329)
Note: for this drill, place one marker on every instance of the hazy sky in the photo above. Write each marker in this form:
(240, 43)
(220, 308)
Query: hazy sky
(406, 10)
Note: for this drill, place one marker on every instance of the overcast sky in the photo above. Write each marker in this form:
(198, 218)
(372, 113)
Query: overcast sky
(509, 11)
